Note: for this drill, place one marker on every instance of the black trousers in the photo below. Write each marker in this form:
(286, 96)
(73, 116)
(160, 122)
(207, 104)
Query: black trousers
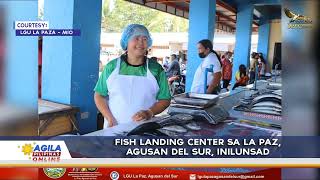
(225, 83)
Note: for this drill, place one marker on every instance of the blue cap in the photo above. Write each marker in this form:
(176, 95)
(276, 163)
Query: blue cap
(133, 30)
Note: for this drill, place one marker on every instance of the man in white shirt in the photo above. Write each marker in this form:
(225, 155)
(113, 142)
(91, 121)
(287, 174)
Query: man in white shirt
(210, 58)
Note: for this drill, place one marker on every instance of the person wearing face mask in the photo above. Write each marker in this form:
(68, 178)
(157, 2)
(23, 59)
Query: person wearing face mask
(209, 57)
(136, 86)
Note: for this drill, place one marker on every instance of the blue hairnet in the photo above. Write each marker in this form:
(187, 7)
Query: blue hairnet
(133, 30)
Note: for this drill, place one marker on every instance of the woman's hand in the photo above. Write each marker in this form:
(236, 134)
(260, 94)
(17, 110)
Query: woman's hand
(111, 122)
(142, 115)
(157, 108)
(104, 109)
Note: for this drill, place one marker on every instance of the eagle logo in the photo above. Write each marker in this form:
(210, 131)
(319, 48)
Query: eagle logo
(296, 17)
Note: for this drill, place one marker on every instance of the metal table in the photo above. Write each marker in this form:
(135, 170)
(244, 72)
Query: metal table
(56, 118)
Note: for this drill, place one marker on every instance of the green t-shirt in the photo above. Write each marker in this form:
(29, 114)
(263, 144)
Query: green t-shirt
(127, 69)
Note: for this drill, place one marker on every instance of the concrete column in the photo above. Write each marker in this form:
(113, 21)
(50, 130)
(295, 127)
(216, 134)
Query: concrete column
(70, 64)
(263, 41)
(243, 38)
(201, 26)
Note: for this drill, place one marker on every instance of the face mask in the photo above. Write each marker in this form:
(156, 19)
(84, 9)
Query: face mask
(202, 55)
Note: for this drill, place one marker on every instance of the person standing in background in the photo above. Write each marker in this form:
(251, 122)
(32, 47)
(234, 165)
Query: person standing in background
(165, 62)
(261, 64)
(183, 63)
(174, 67)
(253, 64)
(209, 58)
(226, 69)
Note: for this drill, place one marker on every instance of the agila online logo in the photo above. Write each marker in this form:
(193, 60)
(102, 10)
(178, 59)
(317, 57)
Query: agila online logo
(42, 152)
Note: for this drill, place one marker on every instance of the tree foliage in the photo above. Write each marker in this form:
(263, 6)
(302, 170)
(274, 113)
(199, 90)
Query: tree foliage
(117, 14)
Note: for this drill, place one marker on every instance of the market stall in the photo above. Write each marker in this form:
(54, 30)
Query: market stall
(243, 112)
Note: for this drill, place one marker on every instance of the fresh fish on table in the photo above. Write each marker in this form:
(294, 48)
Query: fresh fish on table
(248, 98)
(182, 117)
(192, 126)
(267, 112)
(145, 127)
(176, 119)
(266, 108)
(269, 95)
(267, 104)
(155, 133)
(245, 101)
(278, 92)
(169, 133)
(241, 107)
(175, 128)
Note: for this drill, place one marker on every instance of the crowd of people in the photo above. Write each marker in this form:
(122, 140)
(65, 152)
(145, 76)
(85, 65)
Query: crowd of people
(174, 66)
(243, 76)
(257, 64)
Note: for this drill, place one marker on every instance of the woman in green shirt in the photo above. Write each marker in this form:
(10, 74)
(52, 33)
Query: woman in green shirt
(136, 86)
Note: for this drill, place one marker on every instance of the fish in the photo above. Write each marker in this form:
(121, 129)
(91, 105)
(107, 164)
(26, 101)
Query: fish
(177, 119)
(267, 104)
(155, 133)
(192, 126)
(245, 102)
(175, 128)
(266, 108)
(169, 133)
(273, 87)
(182, 117)
(269, 95)
(277, 92)
(267, 99)
(241, 108)
(267, 112)
(145, 127)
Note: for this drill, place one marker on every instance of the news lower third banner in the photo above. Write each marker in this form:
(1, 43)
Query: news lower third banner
(59, 148)
(193, 147)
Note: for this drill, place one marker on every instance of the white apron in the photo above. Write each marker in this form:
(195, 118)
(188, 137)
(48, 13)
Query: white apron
(129, 94)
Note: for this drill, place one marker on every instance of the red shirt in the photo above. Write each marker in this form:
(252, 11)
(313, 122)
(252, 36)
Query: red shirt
(226, 69)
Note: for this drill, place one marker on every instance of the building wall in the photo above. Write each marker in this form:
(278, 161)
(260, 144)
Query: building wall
(166, 43)
(275, 36)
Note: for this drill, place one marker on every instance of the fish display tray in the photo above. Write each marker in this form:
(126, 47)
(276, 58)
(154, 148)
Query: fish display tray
(213, 114)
